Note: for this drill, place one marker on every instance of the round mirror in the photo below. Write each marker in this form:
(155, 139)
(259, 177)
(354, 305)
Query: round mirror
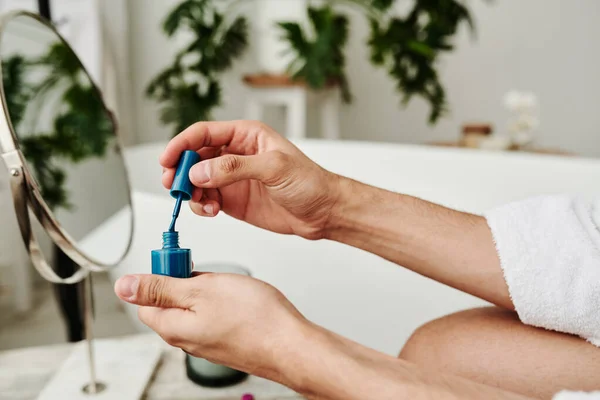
(67, 139)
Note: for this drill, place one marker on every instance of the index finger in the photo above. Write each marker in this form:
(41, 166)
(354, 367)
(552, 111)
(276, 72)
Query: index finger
(198, 136)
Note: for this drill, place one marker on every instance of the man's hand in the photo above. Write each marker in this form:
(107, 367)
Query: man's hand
(229, 319)
(248, 325)
(254, 174)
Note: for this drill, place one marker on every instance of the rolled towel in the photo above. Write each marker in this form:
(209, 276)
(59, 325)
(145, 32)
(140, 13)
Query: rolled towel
(564, 395)
(549, 250)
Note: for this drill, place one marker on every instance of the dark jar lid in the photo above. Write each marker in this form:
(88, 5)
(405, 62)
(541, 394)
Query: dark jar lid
(482, 129)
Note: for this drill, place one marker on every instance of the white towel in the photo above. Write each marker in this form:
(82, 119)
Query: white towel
(564, 395)
(549, 249)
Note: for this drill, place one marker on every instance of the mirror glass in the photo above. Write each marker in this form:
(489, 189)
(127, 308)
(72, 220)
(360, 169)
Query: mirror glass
(66, 135)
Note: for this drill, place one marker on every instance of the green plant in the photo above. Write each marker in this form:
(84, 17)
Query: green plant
(320, 61)
(408, 47)
(189, 89)
(79, 128)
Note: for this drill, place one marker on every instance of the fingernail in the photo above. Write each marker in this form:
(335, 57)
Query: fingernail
(209, 209)
(127, 286)
(199, 173)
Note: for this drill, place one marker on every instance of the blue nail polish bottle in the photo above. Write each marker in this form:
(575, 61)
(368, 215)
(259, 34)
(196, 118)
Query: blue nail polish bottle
(176, 262)
(172, 260)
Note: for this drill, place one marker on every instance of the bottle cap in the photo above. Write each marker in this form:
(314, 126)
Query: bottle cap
(181, 183)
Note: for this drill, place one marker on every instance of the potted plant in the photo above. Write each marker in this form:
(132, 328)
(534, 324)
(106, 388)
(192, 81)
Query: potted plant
(408, 47)
(318, 55)
(189, 89)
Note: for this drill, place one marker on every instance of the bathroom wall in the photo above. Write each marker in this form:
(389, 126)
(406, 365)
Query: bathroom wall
(546, 46)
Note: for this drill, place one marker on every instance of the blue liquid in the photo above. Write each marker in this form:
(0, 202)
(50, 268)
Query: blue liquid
(172, 260)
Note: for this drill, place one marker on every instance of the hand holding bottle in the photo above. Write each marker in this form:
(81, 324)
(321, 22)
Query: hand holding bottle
(229, 319)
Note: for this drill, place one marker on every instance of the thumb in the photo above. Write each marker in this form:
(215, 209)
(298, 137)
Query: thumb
(154, 291)
(269, 168)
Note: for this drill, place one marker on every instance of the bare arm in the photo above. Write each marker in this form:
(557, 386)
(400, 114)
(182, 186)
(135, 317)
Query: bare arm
(322, 365)
(449, 246)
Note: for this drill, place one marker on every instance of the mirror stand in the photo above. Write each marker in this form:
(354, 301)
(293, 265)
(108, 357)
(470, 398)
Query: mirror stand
(93, 386)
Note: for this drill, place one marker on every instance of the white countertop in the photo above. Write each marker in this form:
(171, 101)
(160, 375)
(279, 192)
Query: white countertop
(25, 372)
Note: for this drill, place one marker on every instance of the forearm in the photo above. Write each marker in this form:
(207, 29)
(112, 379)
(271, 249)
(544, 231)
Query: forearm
(322, 365)
(449, 246)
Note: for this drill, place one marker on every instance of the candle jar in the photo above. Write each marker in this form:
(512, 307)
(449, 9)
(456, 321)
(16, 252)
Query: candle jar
(201, 371)
(475, 134)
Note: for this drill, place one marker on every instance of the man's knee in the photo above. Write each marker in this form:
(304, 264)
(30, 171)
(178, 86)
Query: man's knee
(445, 342)
(491, 346)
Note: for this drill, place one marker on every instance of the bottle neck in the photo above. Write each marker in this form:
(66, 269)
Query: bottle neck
(170, 240)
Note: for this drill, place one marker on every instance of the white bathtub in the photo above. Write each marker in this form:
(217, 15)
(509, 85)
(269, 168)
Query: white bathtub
(347, 290)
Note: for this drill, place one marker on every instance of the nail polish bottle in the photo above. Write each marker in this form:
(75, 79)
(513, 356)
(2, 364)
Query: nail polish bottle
(172, 260)
(176, 262)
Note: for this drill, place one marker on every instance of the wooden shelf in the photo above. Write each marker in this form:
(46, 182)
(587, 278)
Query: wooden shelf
(263, 81)
(549, 151)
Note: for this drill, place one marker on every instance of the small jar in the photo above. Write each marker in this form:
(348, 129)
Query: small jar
(475, 134)
(201, 371)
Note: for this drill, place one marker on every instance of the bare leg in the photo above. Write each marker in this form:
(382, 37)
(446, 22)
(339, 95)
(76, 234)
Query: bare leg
(491, 346)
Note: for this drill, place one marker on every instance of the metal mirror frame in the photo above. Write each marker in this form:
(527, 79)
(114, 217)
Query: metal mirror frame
(26, 192)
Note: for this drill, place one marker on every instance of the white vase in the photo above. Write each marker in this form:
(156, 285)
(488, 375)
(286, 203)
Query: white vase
(269, 46)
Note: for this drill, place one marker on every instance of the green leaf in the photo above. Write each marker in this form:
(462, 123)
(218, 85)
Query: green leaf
(294, 35)
(421, 48)
(187, 13)
(319, 61)
(216, 43)
(189, 105)
(409, 47)
(382, 4)
(16, 92)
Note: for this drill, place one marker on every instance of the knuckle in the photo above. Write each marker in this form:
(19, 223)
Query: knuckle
(190, 295)
(258, 128)
(196, 208)
(256, 124)
(277, 166)
(230, 164)
(278, 160)
(261, 126)
(154, 292)
(172, 338)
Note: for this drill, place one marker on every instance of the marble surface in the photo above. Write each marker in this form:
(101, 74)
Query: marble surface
(125, 364)
(25, 372)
